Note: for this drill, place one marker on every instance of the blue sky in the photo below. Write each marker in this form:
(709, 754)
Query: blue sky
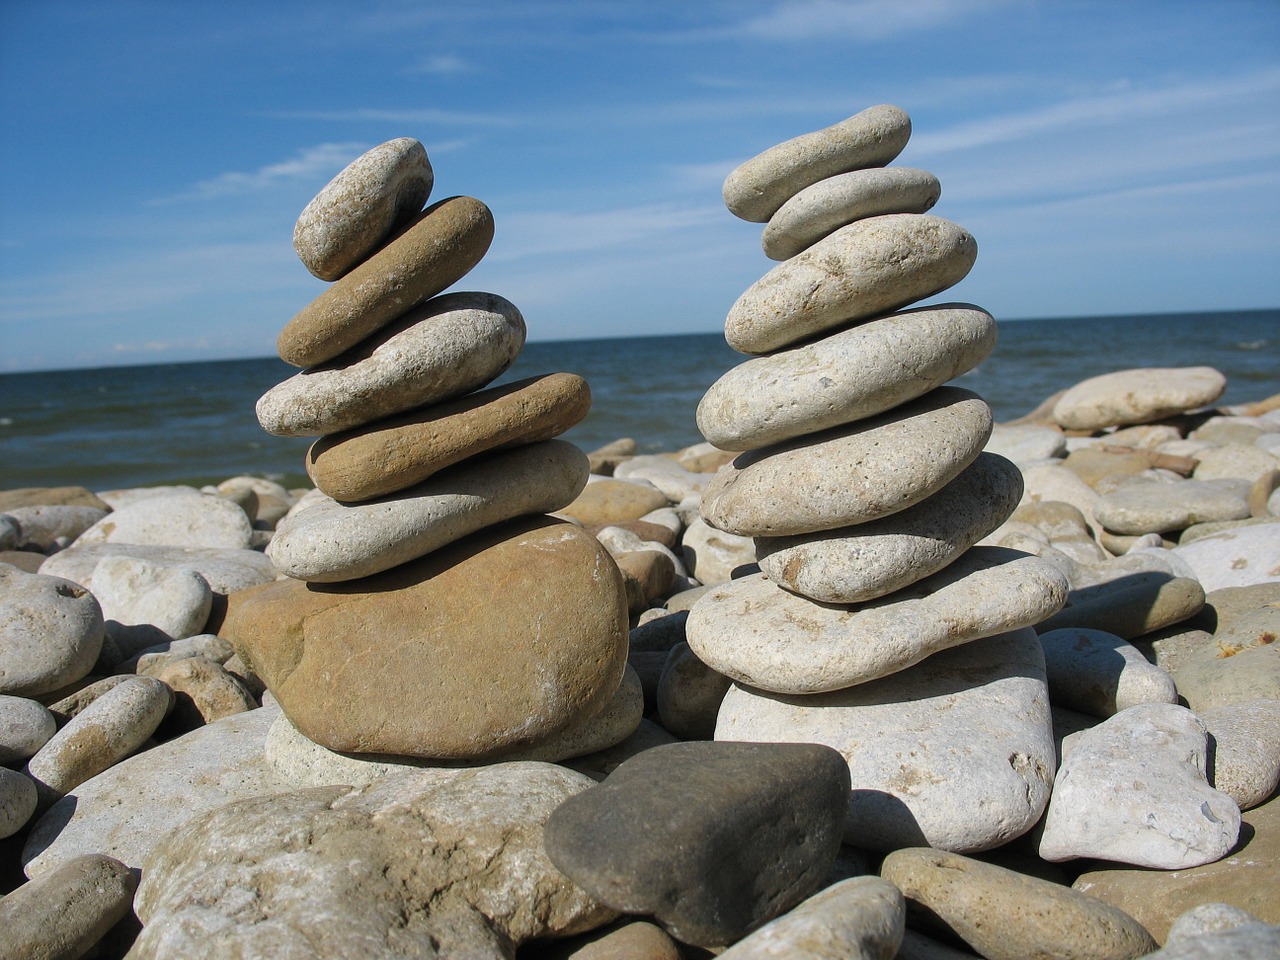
(1110, 157)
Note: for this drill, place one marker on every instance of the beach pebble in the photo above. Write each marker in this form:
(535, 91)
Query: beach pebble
(396, 453)
(850, 474)
(182, 520)
(607, 501)
(689, 695)
(101, 735)
(437, 866)
(847, 376)
(831, 203)
(361, 206)
(1052, 481)
(51, 632)
(440, 350)
(1100, 674)
(1235, 461)
(151, 660)
(48, 497)
(1220, 673)
(1137, 396)
(25, 726)
(1235, 558)
(647, 577)
(332, 541)
(1247, 942)
(860, 918)
(1208, 918)
(711, 555)
(1161, 507)
(537, 606)
(1004, 915)
(1026, 443)
(147, 603)
(627, 939)
(675, 482)
(619, 539)
(432, 253)
(1245, 739)
(860, 271)
(761, 635)
(224, 570)
(712, 839)
(604, 460)
(127, 809)
(1130, 605)
(65, 912)
(872, 138)
(955, 753)
(203, 691)
(1134, 789)
(10, 533)
(44, 526)
(18, 801)
(869, 560)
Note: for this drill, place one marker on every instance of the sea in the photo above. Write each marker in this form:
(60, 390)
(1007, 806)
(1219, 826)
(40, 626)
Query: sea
(194, 423)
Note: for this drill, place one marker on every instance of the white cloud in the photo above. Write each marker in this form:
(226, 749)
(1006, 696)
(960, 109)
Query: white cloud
(311, 163)
(859, 19)
(443, 65)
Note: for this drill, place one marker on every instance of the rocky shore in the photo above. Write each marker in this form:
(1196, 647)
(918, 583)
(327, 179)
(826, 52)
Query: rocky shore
(868, 675)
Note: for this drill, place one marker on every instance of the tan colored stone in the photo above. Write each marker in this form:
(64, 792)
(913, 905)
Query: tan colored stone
(397, 453)
(49, 497)
(1137, 396)
(65, 912)
(204, 691)
(646, 575)
(1131, 606)
(435, 251)
(606, 502)
(492, 643)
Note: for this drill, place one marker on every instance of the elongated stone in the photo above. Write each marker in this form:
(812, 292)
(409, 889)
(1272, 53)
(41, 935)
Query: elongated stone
(447, 347)
(862, 562)
(66, 911)
(828, 204)
(397, 453)
(872, 138)
(759, 634)
(331, 541)
(1137, 396)
(860, 271)
(848, 376)
(850, 474)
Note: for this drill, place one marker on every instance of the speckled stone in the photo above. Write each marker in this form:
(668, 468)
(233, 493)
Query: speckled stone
(848, 376)
(1162, 507)
(18, 801)
(51, 632)
(180, 520)
(225, 570)
(756, 189)
(435, 251)
(1098, 673)
(860, 271)
(1137, 396)
(1245, 738)
(64, 913)
(361, 206)
(25, 726)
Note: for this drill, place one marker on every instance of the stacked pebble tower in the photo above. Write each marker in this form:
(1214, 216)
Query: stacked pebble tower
(424, 482)
(865, 487)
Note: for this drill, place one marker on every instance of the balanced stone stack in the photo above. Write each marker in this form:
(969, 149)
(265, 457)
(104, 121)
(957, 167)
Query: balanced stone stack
(432, 495)
(875, 625)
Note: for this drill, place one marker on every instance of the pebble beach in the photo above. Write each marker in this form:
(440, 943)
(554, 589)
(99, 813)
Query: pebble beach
(865, 673)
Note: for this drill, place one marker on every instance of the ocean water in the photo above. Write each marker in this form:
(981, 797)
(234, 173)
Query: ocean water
(194, 422)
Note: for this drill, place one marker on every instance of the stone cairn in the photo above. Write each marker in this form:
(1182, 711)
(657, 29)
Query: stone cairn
(874, 625)
(431, 499)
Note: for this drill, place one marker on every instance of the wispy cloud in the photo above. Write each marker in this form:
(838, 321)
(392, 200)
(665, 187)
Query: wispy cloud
(319, 162)
(443, 65)
(537, 234)
(859, 20)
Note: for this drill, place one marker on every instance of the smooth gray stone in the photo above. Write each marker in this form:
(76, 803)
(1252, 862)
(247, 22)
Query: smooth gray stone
(955, 753)
(331, 541)
(18, 800)
(848, 376)
(1098, 673)
(147, 603)
(64, 913)
(177, 520)
(1208, 918)
(1137, 396)
(862, 562)
(1026, 443)
(1251, 942)
(446, 347)
(25, 726)
(862, 270)
(45, 524)
(689, 695)
(360, 207)
(828, 204)
(1246, 749)
(226, 571)
(757, 188)
(1133, 789)
(759, 634)
(51, 632)
(850, 474)
(1141, 508)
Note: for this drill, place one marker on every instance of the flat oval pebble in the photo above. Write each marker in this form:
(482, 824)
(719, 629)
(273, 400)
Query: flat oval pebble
(848, 376)
(446, 347)
(395, 454)
(331, 541)
(861, 918)
(712, 839)
(1137, 396)
(25, 726)
(431, 254)
(955, 753)
(689, 695)
(1235, 558)
(225, 570)
(195, 520)
(65, 912)
(44, 525)
(864, 269)
(1098, 673)
(18, 801)
(1162, 507)
(361, 206)
(51, 632)
(148, 603)
(1026, 443)
(831, 203)
(606, 501)
(1004, 915)
(1133, 789)
(872, 138)
(103, 734)
(759, 634)
(869, 560)
(850, 474)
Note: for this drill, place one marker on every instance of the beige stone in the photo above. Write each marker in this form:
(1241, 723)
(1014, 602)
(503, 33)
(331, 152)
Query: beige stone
(204, 691)
(1137, 396)
(65, 912)
(609, 501)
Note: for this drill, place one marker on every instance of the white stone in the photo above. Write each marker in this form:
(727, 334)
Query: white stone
(51, 632)
(675, 482)
(147, 603)
(1133, 790)
(128, 496)
(226, 571)
(1234, 558)
(25, 726)
(18, 800)
(1246, 749)
(1026, 443)
(151, 660)
(1137, 396)
(1140, 508)
(1098, 673)
(45, 525)
(1235, 461)
(712, 555)
(1055, 482)
(174, 521)
(847, 376)
(956, 753)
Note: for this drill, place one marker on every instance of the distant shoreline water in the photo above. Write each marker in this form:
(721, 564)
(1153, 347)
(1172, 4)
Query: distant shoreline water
(194, 422)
